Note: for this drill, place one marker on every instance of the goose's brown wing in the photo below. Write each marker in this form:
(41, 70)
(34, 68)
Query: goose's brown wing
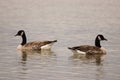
(37, 44)
(85, 48)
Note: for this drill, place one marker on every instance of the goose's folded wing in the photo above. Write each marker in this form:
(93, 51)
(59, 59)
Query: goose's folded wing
(37, 44)
(86, 48)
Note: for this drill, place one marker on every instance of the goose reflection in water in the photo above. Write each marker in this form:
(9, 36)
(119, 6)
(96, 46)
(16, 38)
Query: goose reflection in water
(97, 58)
(25, 53)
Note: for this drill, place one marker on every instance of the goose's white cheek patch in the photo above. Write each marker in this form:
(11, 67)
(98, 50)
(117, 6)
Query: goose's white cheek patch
(99, 38)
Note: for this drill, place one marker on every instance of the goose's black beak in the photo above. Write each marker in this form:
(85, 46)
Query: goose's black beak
(105, 39)
(16, 35)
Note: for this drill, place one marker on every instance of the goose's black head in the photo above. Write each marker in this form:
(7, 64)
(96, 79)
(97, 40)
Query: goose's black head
(20, 33)
(101, 37)
(98, 39)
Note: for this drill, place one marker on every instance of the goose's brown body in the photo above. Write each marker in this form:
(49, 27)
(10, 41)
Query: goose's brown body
(35, 45)
(87, 49)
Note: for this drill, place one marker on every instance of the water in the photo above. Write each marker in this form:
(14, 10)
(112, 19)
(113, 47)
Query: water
(72, 23)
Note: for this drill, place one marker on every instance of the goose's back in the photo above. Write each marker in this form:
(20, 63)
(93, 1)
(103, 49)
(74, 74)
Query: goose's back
(91, 49)
(36, 45)
(86, 48)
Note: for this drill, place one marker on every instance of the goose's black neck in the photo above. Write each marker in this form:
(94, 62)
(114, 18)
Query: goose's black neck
(97, 42)
(24, 39)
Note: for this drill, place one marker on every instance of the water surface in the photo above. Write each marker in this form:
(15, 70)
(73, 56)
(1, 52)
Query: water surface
(72, 23)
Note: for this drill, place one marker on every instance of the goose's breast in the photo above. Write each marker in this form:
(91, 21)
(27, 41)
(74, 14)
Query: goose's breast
(103, 49)
(19, 47)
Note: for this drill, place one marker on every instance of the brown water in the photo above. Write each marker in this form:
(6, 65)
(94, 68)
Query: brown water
(72, 23)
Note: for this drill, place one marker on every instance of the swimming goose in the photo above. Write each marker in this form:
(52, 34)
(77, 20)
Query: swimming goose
(35, 45)
(87, 49)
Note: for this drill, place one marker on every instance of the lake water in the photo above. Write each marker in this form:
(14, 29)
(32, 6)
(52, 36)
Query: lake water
(72, 23)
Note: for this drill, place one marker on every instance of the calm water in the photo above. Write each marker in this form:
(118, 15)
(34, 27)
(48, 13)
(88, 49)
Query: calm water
(72, 23)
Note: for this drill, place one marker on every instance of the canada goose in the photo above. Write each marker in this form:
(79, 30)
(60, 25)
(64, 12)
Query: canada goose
(35, 45)
(87, 49)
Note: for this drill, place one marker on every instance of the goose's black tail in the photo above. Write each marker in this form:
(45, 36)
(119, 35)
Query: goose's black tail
(54, 41)
(70, 48)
